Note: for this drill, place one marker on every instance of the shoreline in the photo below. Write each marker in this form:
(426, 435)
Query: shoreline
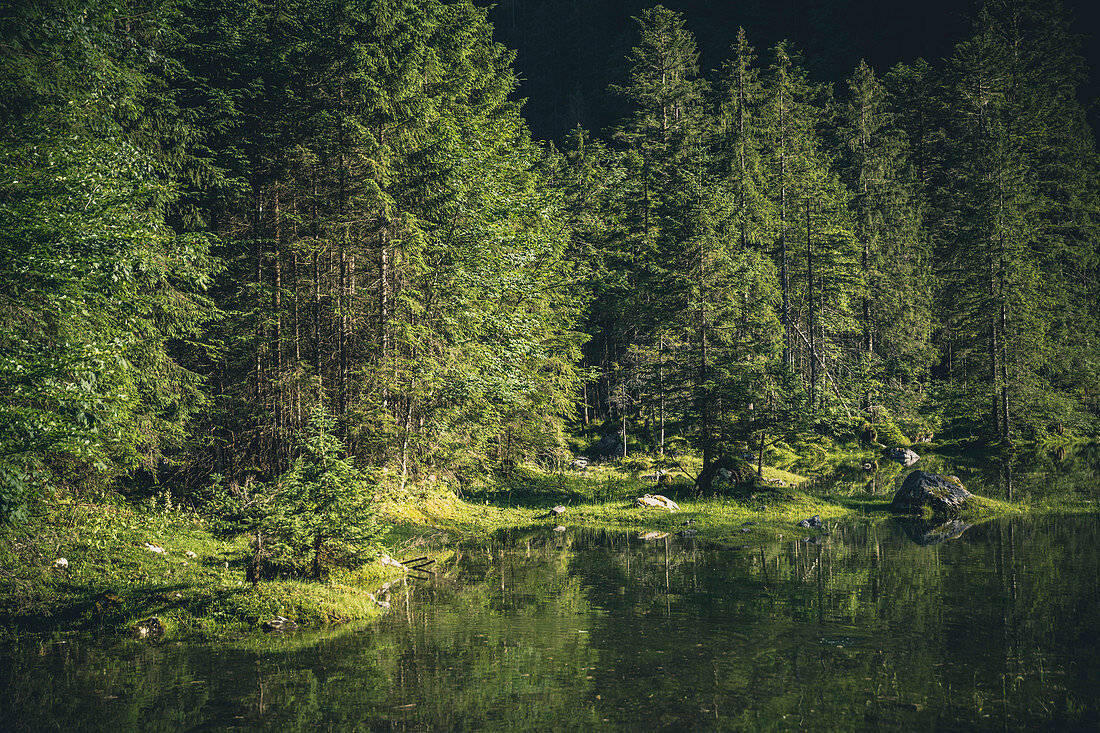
(126, 563)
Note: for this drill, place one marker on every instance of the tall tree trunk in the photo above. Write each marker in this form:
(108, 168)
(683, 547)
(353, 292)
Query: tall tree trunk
(258, 250)
(810, 293)
(1006, 430)
(344, 306)
(661, 386)
(315, 227)
(993, 371)
(277, 341)
(297, 341)
(254, 567)
(318, 546)
(406, 431)
(317, 325)
(342, 286)
(705, 416)
(784, 279)
(1006, 433)
(383, 308)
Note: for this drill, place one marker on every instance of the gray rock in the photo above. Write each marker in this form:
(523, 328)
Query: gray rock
(904, 456)
(281, 623)
(813, 522)
(656, 500)
(559, 509)
(609, 446)
(921, 489)
(151, 628)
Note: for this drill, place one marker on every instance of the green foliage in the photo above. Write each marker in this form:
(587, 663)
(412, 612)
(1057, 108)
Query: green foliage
(94, 285)
(747, 261)
(321, 511)
(930, 239)
(324, 505)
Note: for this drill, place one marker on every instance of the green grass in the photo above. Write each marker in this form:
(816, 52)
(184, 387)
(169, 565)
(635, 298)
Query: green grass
(602, 497)
(113, 580)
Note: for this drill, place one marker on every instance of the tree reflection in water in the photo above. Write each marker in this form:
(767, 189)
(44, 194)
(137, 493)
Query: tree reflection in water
(886, 625)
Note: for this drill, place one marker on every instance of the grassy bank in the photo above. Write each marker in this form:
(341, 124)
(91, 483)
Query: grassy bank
(106, 565)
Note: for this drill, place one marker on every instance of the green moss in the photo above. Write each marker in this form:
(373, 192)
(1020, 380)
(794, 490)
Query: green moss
(114, 576)
(981, 507)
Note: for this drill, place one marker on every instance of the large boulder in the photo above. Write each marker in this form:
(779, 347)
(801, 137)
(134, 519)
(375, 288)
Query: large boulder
(724, 473)
(942, 494)
(904, 456)
(609, 447)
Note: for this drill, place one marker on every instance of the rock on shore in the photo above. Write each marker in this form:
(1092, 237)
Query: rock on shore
(941, 494)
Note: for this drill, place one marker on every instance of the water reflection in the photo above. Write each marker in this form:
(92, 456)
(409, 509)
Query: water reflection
(932, 533)
(1070, 473)
(583, 630)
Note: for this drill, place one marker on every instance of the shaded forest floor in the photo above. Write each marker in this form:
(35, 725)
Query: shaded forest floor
(125, 562)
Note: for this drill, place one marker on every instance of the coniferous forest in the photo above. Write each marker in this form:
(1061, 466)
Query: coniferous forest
(225, 225)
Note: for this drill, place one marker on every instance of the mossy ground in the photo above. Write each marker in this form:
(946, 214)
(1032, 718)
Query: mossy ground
(113, 580)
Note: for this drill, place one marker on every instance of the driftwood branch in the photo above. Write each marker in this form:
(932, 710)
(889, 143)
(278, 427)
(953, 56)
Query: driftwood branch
(682, 469)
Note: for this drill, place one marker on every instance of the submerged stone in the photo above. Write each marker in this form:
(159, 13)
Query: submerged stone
(904, 456)
(921, 489)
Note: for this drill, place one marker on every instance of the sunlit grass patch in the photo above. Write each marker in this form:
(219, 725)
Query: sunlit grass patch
(112, 564)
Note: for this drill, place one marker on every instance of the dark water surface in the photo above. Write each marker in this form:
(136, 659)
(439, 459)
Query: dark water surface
(873, 628)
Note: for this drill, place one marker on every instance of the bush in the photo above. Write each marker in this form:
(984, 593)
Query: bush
(320, 511)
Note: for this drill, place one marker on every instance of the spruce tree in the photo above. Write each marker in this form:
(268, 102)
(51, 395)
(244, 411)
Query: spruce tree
(896, 301)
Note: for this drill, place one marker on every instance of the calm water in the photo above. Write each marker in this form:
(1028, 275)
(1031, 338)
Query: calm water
(996, 629)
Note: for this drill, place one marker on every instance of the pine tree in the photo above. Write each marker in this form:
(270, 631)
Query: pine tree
(664, 162)
(815, 247)
(1011, 88)
(741, 95)
(896, 302)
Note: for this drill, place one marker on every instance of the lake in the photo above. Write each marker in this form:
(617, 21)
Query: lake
(871, 626)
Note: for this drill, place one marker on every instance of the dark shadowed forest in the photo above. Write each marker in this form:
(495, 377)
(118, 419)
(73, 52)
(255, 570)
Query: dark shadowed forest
(261, 246)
